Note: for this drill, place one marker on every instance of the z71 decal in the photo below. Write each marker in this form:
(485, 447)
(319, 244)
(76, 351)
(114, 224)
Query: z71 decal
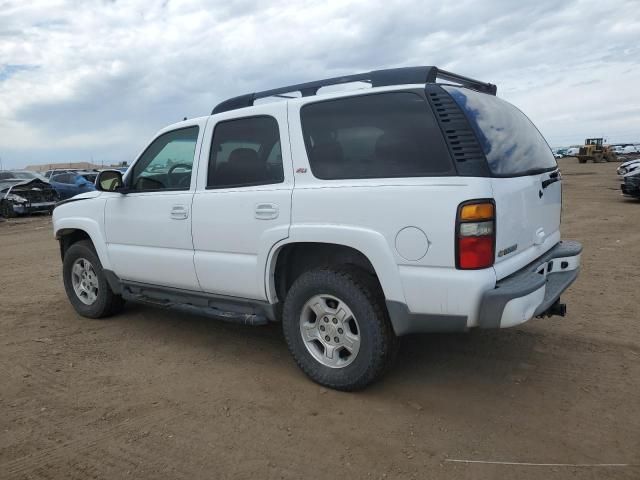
(508, 250)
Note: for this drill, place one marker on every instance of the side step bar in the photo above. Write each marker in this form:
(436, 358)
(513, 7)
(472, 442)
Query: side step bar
(253, 319)
(227, 309)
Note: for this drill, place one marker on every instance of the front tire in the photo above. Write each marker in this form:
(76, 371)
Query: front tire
(85, 282)
(6, 210)
(337, 329)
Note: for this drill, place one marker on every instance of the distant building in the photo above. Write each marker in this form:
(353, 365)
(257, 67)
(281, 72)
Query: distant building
(78, 165)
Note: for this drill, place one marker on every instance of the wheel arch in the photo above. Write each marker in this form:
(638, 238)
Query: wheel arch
(320, 245)
(67, 233)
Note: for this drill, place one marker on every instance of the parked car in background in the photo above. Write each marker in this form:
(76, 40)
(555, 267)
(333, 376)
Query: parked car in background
(630, 149)
(23, 192)
(630, 185)
(70, 184)
(618, 149)
(629, 166)
(572, 151)
(58, 171)
(560, 152)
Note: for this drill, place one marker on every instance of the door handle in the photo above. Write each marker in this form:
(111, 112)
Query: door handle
(266, 211)
(179, 212)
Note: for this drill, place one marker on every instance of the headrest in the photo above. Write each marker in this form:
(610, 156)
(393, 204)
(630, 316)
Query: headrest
(328, 152)
(243, 157)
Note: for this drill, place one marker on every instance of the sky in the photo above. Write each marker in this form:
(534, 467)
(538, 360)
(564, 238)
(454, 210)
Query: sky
(83, 80)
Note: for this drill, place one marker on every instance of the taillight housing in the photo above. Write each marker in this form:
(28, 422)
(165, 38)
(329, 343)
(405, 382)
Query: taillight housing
(475, 234)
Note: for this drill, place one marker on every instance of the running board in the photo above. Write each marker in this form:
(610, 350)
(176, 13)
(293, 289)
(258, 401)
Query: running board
(231, 310)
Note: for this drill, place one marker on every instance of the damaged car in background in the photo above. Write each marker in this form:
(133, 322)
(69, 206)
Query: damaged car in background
(628, 167)
(23, 192)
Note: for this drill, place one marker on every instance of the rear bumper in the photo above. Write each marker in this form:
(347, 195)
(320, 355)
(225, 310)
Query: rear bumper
(532, 290)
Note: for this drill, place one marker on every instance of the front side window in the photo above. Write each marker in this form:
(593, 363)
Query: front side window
(245, 152)
(167, 163)
(372, 136)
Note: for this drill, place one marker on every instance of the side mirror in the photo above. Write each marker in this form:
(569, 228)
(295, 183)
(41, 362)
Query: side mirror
(109, 181)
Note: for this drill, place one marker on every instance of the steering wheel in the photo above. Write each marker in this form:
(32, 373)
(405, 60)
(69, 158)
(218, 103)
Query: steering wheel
(184, 180)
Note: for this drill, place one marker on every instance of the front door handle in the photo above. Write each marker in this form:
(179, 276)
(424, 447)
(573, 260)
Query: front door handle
(267, 211)
(179, 212)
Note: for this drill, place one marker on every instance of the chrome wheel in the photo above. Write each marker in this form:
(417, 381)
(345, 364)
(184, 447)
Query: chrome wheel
(330, 331)
(84, 281)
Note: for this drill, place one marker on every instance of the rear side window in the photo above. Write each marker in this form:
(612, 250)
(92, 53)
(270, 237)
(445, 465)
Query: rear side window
(245, 152)
(63, 178)
(511, 142)
(373, 136)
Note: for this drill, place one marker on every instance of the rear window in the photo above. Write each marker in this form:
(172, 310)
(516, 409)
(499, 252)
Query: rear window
(511, 142)
(373, 136)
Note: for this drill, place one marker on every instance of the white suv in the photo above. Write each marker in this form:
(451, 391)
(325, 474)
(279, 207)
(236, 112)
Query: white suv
(352, 217)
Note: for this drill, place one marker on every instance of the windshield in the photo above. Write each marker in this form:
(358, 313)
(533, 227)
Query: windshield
(511, 142)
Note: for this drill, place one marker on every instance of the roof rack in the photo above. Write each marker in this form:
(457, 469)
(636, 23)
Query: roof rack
(377, 78)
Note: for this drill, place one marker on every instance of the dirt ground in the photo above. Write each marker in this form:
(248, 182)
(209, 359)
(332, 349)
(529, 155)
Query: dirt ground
(157, 394)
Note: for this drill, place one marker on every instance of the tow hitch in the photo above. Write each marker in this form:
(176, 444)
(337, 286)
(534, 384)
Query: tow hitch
(557, 308)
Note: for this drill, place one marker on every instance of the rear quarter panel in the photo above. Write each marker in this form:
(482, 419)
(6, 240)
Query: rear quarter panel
(390, 206)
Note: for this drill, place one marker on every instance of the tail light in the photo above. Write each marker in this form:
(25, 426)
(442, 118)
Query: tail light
(475, 235)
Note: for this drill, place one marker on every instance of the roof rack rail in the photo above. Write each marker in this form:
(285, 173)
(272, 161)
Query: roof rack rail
(377, 78)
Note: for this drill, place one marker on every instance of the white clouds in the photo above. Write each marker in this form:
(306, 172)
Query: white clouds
(99, 78)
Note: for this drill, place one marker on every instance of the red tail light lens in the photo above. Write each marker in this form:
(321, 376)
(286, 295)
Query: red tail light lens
(475, 235)
(475, 252)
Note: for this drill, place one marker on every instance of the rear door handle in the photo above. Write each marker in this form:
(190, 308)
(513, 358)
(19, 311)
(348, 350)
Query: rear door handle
(179, 212)
(266, 211)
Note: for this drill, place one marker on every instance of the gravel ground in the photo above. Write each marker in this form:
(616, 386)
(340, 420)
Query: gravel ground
(156, 394)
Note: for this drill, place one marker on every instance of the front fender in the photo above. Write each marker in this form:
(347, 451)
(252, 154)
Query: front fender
(87, 215)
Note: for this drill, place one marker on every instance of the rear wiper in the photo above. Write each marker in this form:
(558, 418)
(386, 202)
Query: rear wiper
(553, 178)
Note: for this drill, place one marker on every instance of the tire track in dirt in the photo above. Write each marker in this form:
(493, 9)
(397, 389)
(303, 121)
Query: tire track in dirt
(88, 440)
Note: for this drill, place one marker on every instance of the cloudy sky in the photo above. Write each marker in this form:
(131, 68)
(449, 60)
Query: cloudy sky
(95, 79)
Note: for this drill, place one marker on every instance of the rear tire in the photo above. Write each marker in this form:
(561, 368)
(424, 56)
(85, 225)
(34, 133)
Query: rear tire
(337, 328)
(86, 284)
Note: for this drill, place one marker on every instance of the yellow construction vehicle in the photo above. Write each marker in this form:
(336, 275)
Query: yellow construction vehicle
(594, 149)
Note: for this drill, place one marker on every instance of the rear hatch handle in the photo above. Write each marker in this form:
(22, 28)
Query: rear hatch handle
(553, 178)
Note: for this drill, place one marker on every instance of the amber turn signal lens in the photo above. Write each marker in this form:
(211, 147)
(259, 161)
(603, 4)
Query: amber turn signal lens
(476, 211)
